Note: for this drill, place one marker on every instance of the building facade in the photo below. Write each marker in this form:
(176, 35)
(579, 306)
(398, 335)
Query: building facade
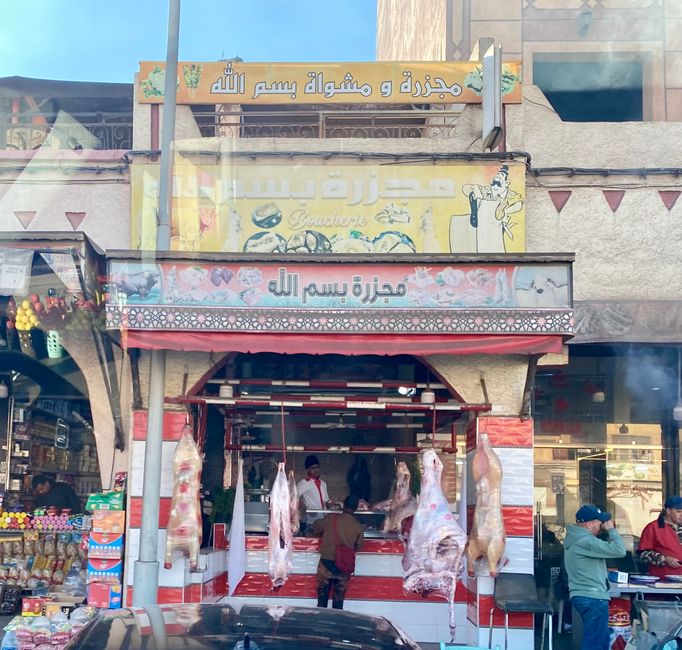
(601, 426)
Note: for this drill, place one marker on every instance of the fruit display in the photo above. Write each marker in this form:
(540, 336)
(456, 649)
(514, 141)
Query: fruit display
(85, 314)
(55, 312)
(23, 316)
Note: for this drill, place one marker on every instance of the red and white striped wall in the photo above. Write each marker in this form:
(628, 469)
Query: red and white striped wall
(177, 584)
(512, 440)
(377, 586)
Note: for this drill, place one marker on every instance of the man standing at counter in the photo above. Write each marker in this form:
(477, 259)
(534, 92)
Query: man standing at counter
(585, 556)
(312, 489)
(336, 529)
(660, 545)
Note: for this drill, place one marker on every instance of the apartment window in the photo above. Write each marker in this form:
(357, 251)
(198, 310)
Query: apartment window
(600, 90)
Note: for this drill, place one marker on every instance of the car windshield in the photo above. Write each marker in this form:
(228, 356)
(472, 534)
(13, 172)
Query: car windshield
(248, 628)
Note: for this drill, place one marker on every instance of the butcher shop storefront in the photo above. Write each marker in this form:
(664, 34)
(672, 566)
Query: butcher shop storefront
(391, 374)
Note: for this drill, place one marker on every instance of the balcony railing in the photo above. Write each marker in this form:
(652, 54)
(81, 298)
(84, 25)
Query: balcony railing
(327, 124)
(99, 130)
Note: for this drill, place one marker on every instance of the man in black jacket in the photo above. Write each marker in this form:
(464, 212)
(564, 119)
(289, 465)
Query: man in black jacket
(54, 493)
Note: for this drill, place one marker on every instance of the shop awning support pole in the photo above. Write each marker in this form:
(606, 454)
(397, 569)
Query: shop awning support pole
(145, 590)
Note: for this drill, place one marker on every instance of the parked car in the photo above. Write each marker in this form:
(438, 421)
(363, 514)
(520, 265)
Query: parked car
(238, 627)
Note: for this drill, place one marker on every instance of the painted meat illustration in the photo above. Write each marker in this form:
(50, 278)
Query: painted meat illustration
(487, 537)
(280, 538)
(184, 523)
(434, 558)
(404, 504)
(136, 283)
(295, 515)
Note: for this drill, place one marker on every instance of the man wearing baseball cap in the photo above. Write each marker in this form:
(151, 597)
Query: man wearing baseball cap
(585, 557)
(660, 544)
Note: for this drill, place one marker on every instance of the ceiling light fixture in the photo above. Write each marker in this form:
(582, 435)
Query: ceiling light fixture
(427, 396)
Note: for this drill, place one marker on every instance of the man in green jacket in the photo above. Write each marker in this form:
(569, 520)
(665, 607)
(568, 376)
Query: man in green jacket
(585, 557)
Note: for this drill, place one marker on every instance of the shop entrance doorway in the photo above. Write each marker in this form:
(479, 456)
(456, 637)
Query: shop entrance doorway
(359, 416)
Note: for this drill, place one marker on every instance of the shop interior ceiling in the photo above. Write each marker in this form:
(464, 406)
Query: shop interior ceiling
(343, 381)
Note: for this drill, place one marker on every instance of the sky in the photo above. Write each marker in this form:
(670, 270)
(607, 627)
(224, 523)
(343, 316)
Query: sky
(91, 40)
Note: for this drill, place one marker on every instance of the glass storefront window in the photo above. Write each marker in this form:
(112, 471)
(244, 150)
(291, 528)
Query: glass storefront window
(602, 436)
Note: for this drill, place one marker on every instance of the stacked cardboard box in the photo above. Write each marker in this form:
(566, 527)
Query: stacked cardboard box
(105, 559)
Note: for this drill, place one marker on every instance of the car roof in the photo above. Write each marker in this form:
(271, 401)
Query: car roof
(268, 627)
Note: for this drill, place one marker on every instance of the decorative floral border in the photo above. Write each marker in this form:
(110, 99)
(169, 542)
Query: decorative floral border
(465, 321)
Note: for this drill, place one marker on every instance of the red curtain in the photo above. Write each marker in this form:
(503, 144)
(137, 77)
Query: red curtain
(349, 344)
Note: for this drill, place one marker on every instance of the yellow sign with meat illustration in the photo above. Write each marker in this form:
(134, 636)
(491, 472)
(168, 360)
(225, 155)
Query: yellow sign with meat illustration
(336, 208)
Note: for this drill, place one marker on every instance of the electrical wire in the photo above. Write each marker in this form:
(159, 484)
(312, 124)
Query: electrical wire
(392, 157)
(530, 101)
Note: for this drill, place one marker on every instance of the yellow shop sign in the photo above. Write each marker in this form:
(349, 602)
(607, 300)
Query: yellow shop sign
(336, 208)
(447, 82)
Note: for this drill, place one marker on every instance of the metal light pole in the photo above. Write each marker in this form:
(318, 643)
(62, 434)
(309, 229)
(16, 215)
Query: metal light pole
(147, 566)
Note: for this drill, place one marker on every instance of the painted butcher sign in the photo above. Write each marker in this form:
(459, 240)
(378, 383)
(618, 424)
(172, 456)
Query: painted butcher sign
(493, 218)
(269, 296)
(306, 208)
(357, 286)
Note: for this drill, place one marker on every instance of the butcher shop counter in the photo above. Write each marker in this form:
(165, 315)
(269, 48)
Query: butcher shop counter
(257, 516)
(371, 520)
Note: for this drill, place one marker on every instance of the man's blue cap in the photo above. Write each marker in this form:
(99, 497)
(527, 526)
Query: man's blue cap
(588, 512)
(673, 502)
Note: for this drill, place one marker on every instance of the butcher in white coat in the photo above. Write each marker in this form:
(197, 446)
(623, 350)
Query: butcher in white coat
(312, 489)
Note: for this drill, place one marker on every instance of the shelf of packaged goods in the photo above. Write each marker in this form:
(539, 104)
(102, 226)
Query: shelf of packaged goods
(61, 470)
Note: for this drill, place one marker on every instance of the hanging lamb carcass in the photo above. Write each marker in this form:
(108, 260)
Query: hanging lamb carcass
(280, 536)
(184, 523)
(487, 537)
(434, 559)
(403, 505)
